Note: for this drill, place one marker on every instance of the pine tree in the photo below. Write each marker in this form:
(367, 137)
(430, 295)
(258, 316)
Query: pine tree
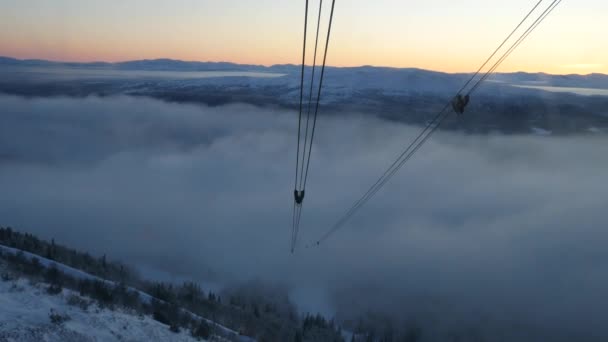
(202, 330)
(49, 252)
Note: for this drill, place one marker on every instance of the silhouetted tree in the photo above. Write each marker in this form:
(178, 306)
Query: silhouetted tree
(202, 330)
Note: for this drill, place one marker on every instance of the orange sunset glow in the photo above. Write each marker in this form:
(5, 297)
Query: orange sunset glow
(437, 35)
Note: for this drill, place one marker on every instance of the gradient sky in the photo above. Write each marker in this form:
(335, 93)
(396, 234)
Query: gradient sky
(441, 35)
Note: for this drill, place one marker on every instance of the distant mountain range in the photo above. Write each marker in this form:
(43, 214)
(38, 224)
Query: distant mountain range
(166, 64)
(507, 102)
(161, 64)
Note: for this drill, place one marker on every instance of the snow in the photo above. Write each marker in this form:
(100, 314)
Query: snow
(24, 317)
(78, 274)
(75, 273)
(540, 131)
(573, 90)
(347, 335)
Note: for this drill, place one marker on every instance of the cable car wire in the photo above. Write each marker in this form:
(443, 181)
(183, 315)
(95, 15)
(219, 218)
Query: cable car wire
(312, 81)
(293, 228)
(434, 124)
(300, 187)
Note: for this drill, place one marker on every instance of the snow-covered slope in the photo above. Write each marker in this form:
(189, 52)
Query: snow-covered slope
(78, 274)
(25, 316)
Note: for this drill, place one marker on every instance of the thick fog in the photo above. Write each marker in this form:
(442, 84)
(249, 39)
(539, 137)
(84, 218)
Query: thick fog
(504, 234)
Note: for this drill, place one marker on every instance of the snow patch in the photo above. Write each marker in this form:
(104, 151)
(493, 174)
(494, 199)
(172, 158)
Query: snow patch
(540, 131)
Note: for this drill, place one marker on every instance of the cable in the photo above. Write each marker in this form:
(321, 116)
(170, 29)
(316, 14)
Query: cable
(312, 81)
(408, 152)
(305, 158)
(299, 215)
(314, 121)
(501, 45)
(524, 35)
(293, 228)
(461, 89)
(296, 217)
(301, 91)
(416, 144)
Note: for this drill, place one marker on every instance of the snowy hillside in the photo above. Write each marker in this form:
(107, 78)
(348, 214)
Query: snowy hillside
(80, 275)
(38, 271)
(27, 311)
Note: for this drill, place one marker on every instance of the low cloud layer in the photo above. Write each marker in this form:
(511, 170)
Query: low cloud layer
(503, 234)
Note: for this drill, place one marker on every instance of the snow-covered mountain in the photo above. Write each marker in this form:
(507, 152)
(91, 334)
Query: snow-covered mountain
(370, 77)
(27, 307)
(37, 271)
(30, 314)
(506, 102)
(81, 275)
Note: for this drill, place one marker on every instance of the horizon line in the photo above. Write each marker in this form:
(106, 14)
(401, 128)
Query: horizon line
(284, 64)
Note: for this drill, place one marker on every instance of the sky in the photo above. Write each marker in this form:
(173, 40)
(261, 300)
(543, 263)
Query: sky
(445, 35)
(478, 233)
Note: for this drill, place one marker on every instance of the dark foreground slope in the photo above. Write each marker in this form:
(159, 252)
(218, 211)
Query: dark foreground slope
(232, 315)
